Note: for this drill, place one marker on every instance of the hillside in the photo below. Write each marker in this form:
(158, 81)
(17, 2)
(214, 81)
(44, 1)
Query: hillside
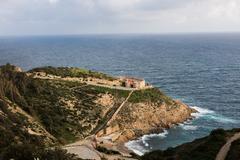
(63, 108)
(234, 151)
(55, 106)
(200, 149)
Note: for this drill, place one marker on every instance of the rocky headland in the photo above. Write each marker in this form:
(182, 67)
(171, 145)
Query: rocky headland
(146, 117)
(62, 106)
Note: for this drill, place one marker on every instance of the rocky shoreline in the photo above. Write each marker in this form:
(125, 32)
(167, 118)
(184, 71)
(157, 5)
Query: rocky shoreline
(115, 138)
(116, 135)
(145, 119)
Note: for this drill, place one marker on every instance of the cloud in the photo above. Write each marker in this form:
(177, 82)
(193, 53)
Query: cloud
(117, 16)
(53, 1)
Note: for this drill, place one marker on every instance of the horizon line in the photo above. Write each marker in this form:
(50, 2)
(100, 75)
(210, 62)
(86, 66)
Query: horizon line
(124, 34)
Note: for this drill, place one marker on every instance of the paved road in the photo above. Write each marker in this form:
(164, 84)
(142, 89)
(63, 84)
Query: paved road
(222, 154)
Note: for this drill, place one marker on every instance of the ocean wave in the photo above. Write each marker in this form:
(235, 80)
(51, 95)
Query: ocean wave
(139, 149)
(209, 114)
(148, 136)
(201, 111)
(135, 147)
(221, 119)
(189, 127)
(142, 145)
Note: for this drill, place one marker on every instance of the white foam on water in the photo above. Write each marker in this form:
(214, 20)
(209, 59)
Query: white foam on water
(187, 122)
(203, 112)
(148, 136)
(137, 148)
(222, 119)
(189, 127)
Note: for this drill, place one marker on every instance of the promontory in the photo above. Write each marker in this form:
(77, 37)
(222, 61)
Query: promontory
(88, 113)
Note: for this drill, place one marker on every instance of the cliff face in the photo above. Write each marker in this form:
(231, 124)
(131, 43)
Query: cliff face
(148, 118)
(137, 119)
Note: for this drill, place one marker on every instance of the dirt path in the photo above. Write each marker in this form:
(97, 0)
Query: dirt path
(222, 154)
(119, 108)
(113, 114)
(85, 152)
(53, 77)
(78, 87)
(85, 148)
(112, 87)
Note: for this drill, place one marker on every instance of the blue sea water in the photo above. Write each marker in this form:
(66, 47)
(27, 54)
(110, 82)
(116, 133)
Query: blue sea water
(202, 70)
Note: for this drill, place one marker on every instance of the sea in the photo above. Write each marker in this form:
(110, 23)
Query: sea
(202, 70)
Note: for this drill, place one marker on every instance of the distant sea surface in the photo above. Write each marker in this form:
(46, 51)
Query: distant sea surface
(202, 70)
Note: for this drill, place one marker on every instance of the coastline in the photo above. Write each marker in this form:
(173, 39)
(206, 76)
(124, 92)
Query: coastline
(200, 112)
(163, 134)
(92, 143)
(111, 143)
(186, 125)
(147, 118)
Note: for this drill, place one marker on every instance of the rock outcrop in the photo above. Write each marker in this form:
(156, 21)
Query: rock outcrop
(137, 119)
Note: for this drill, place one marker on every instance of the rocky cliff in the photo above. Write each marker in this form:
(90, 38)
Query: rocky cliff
(147, 111)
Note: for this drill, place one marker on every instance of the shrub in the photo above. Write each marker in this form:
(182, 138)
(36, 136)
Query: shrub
(32, 152)
(72, 72)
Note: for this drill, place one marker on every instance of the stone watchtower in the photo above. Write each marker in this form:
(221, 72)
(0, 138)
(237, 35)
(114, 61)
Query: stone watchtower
(131, 82)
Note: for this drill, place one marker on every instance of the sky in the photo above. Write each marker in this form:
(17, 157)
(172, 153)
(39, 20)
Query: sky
(60, 17)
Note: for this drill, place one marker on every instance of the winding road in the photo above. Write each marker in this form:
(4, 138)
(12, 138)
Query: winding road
(222, 154)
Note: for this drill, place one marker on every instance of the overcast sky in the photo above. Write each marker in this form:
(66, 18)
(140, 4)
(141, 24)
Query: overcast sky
(42, 17)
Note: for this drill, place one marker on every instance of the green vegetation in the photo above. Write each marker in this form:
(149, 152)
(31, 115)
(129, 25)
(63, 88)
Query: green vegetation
(120, 96)
(11, 124)
(31, 152)
(14, 139)
(67, 110)
(233, 154)
(116, 92)
(150, 95)
(201, 149)
(49, 107)
(72, 72)
(11, 131)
